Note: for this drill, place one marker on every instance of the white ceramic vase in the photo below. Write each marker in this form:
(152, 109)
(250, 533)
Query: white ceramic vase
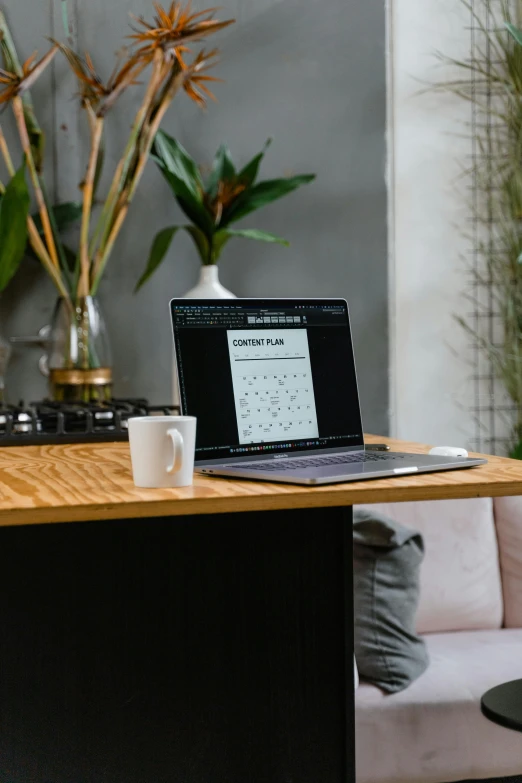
(208, 286)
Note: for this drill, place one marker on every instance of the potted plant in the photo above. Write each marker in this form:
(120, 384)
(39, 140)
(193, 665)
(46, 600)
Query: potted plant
(213, 206)
(492, 81)
(161, 57)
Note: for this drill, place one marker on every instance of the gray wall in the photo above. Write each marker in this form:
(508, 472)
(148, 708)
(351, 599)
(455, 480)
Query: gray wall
(311, 75)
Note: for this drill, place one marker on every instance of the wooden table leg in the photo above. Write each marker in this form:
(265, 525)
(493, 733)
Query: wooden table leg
(185, 650)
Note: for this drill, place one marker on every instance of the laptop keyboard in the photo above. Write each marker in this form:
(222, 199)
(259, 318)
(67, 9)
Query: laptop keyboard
(319, 462)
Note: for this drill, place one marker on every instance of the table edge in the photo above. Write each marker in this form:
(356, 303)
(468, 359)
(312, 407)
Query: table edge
(222, 505)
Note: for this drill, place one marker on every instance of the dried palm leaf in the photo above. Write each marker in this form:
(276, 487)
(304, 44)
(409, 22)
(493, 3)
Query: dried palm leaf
(227, 193)
(174, 27)
(17, 84)
(94, 91)
(196, 76)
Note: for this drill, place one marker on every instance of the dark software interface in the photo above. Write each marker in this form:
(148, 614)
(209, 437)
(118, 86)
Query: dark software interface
(263, 377)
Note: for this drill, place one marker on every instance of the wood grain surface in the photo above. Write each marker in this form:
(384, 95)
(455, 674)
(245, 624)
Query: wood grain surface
(70, 483)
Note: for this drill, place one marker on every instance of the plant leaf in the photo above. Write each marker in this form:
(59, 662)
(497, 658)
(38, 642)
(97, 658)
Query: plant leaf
(254, 233)
(179, 163)
(515, 32)
(249, 173)
(157, 253)
(14, 209)
(61, 216)
(201, 242)
(70, 257)
(56, 234)
(193, 207)
(197, 213)
(218, 243)
(36, 134)
(516, 451)
(184, 178)
(262, 194)
(64, 215)
(222, 237)
(222, 169)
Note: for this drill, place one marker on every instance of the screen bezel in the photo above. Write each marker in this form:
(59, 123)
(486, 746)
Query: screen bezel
(247, 303)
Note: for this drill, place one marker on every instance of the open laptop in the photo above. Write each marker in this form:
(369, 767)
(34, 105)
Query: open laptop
(273, 386)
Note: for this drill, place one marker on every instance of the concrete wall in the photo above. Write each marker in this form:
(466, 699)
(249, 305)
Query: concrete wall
(431, 390)
(309, 74)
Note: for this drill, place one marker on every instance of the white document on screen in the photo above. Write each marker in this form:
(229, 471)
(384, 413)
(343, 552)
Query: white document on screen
(273, 389)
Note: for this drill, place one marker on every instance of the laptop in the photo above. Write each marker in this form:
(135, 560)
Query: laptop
(272, 383)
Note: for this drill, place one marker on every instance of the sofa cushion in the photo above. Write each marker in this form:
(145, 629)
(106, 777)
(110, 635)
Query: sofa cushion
(434, 731)
(508, 520)
(386, 565)
(460, 575)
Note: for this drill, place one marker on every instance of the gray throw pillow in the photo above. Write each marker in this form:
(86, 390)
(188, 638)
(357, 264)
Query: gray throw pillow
(387, 559)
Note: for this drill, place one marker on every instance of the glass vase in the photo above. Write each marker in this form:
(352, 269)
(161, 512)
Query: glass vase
(80, 363)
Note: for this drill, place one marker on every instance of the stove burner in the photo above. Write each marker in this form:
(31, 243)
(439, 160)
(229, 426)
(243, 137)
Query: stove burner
(51, 422)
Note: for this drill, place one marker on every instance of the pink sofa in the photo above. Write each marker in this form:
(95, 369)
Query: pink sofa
(471, 616)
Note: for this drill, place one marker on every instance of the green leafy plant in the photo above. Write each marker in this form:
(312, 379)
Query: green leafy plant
(14, 210)
(492, 81)
(214, 205)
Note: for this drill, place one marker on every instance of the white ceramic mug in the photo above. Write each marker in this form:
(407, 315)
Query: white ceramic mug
(162, 450)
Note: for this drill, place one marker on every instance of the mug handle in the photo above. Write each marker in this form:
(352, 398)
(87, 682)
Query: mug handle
(177, 445)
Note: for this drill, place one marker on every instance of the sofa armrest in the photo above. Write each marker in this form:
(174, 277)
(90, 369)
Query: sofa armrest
(508, 521)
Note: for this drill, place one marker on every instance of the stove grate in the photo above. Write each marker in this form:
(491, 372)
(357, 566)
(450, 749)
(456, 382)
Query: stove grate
(50, 422)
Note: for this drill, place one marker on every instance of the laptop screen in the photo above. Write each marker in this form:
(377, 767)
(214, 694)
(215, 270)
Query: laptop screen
(264, 376)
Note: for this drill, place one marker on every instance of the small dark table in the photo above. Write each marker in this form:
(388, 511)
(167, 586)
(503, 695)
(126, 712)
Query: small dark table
(503, 704)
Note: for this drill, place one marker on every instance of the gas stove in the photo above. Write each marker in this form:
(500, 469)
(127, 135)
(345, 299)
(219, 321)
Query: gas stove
(50, 422)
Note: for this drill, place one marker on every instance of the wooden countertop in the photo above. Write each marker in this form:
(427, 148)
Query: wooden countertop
(69, 483)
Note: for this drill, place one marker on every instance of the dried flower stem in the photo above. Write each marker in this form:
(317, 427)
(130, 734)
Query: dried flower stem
(116, 205)
(102, 259)
(107, 217)
(175, 84)
(145, 138)
(88, 191)
(18, 110)
(148, 133)
(4, 149)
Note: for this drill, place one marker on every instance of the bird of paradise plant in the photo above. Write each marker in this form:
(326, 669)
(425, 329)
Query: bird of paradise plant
(213, 206)
(162, 48)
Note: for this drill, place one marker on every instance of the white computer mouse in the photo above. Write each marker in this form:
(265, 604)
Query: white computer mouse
(448, 451)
